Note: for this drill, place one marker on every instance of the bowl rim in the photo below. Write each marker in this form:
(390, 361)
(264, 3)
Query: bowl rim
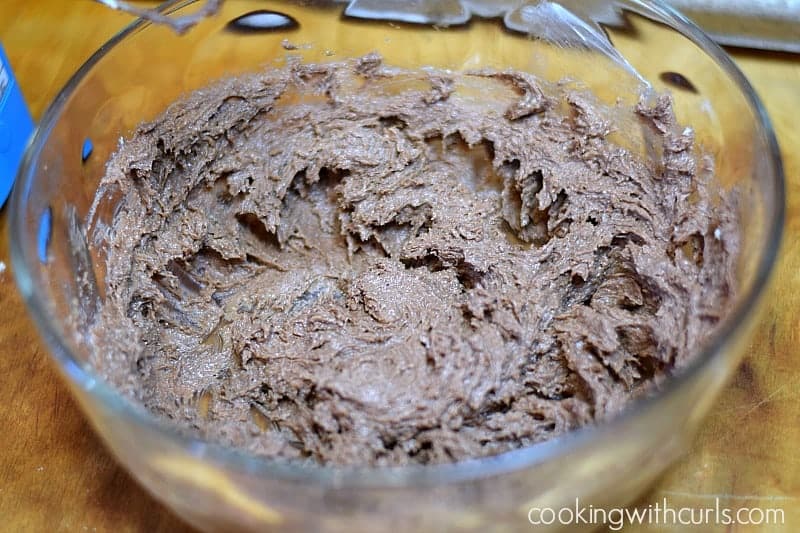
(80, 375)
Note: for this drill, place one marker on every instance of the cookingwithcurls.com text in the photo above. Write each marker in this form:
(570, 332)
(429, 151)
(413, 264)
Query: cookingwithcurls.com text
(658, 513)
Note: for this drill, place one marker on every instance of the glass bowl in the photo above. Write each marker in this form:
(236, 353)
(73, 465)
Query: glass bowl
(602, 43)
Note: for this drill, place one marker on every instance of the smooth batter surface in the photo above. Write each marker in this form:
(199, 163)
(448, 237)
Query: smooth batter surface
(367, 266)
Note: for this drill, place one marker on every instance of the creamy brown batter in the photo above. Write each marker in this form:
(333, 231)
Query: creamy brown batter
(369, 266)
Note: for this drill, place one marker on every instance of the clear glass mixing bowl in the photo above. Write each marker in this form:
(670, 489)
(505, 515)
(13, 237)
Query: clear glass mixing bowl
(141, 70)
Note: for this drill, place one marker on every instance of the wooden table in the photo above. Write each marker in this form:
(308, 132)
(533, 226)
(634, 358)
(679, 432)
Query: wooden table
(56, 475)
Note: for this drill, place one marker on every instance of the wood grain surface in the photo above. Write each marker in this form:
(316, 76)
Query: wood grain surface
(56, 476)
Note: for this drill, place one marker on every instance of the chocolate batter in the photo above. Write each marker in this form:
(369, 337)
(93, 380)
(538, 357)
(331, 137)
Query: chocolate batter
(361, 265)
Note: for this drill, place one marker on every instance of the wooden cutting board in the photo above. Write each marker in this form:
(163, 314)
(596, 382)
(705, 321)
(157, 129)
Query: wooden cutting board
(56, 475)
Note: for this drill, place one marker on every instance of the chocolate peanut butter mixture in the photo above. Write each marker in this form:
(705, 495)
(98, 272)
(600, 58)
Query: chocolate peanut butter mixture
(359, 265)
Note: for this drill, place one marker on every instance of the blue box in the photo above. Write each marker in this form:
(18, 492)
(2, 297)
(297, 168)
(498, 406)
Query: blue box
(16, 127)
